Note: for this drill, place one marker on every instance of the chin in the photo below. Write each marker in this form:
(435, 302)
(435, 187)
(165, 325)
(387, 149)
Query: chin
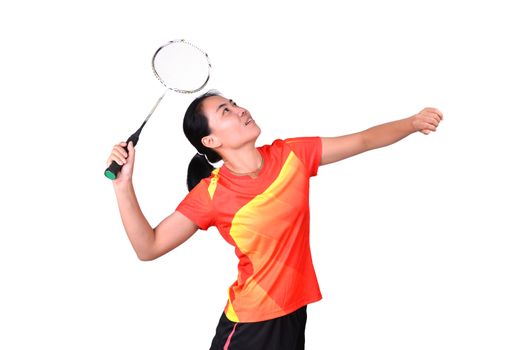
(257, 133)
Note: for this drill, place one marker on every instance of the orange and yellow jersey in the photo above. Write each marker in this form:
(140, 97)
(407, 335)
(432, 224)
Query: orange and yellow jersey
(267, 220)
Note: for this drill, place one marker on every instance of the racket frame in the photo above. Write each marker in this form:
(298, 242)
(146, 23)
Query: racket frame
(193, 46)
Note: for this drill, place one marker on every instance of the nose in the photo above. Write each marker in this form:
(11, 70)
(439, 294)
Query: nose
(241, 111)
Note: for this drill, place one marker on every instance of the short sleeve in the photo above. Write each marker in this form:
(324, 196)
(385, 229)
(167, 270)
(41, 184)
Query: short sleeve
(309, 151)
(197, 206)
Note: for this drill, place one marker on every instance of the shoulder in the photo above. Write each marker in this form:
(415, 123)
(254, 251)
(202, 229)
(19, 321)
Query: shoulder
(302, 140)
(293, 140)
(295, 144)
(276, 148)
(275, 143)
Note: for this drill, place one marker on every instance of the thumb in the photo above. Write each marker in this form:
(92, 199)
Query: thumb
(131, 151)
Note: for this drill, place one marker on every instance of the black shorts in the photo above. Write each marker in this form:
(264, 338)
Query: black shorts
(283, 333)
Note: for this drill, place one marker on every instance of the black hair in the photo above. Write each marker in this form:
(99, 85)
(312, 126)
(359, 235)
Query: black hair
(195, 127)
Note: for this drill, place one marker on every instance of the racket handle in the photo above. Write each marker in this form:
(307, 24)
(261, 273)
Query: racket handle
(112, 171)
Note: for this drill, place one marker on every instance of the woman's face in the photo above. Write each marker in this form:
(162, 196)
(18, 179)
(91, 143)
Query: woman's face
(231, 126)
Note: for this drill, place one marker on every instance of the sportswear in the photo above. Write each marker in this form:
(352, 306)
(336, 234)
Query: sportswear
(267, 220)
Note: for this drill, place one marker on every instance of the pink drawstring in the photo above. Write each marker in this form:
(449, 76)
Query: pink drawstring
(226, 346)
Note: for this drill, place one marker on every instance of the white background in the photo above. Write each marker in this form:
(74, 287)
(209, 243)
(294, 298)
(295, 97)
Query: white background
(421, 245)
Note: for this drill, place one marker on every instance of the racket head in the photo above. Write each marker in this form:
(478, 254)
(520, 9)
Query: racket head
(181, 66)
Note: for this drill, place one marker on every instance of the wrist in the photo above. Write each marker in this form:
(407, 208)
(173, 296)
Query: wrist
(123, 184)
(411, 124)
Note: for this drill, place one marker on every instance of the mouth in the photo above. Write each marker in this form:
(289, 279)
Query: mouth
(248, 121)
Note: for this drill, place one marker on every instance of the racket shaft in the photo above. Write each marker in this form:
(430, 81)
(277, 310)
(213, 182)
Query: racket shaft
(155, 106)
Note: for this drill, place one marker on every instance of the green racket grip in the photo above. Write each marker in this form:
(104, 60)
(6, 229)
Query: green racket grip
(112, 171)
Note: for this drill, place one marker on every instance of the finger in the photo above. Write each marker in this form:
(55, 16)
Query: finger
(429, 118)
(430, 124)
(118, 156)
(121, 148)
(121, 144)
(432, 117)
(112, 159)
(436, 111)
(131, 149)
(425, 131)
(434, 120)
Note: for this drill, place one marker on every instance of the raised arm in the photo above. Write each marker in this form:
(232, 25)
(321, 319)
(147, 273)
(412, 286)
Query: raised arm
(342, 147)
(149, 243)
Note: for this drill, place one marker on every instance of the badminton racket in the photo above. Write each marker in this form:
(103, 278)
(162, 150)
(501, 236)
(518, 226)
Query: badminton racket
(181, 67)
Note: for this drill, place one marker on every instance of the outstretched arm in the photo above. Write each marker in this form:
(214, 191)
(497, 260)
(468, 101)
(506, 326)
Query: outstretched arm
(342, 147)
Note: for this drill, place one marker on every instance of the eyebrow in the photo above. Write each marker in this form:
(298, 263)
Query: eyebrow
(223, 105)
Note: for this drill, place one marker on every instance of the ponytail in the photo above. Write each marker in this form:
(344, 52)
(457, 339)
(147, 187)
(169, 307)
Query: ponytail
(196, 126)
(199, 168)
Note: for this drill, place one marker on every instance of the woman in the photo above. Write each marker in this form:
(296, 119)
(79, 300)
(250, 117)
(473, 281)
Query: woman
(258, 200)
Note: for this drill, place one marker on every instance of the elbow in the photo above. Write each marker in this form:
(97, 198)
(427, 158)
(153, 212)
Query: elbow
(145, 256)
(366, 144)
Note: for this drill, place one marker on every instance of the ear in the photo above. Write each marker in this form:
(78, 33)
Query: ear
(211, 141)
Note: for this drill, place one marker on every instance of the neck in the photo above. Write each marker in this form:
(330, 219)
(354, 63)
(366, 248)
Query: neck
(244, 161)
